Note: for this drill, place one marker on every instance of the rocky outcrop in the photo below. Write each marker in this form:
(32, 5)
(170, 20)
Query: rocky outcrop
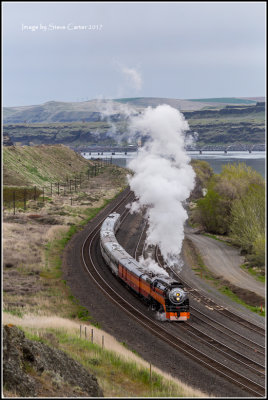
(25, 362)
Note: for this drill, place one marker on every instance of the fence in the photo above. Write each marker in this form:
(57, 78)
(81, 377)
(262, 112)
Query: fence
(17, 198)
(102, 345)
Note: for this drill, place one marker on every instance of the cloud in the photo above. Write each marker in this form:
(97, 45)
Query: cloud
(133, 77)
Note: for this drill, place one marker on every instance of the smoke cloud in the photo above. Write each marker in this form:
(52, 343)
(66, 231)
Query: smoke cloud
(163, 178)
(115, 113)
(133, 77)
(151, 266)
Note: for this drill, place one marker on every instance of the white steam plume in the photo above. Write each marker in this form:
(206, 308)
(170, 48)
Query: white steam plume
(133, 77)
(110, 110)
(163, 178)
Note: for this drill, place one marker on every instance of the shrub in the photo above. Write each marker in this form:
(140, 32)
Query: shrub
(248, 222)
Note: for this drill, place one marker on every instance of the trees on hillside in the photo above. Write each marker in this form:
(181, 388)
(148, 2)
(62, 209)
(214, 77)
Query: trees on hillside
(235, 205)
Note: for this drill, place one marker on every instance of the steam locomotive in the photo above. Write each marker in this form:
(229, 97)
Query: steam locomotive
(163, 294)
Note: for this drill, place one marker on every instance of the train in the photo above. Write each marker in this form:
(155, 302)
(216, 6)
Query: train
(164, 295)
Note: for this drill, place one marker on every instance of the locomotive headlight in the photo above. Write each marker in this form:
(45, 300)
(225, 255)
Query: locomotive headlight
(177, 296)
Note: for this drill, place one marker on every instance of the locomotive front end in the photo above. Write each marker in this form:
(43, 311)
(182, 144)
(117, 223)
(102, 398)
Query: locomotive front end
(177, 305)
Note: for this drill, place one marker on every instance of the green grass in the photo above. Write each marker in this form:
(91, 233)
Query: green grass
(54, 249)
(229, 100)
(53, 269)
(227, 291)
(34, 171)
(254, 273)
(16, 312)
(127, 377)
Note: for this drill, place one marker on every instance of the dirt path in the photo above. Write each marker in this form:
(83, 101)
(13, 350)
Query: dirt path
(224, 261)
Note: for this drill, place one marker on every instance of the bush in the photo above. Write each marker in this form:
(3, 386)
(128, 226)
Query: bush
(248, 222)
(203, 173)
(235, 205)
(209, 212)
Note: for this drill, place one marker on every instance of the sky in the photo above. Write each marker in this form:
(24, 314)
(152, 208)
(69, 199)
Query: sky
(77, 51)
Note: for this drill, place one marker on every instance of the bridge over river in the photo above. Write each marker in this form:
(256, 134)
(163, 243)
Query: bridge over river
(201, 149)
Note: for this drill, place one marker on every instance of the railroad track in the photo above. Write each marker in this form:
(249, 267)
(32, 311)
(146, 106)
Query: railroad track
(219, 327)
(231, 335)
(199, 335)
(210, 303)
(156, 328)
(209, 320)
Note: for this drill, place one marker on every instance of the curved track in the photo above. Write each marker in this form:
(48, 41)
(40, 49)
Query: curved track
(91, 266)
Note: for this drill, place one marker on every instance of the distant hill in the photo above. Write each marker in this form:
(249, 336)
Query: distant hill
(53, 111)
(90, 111)
(82, 124)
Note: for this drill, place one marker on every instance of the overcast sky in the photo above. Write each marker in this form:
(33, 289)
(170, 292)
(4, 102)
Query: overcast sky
(79, 51)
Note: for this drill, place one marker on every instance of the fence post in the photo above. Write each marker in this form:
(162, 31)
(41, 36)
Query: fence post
(91, 335)
(14, 203)
(24, 199)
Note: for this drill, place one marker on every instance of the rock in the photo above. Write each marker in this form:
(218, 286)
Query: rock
(24, 361)
(9, 265)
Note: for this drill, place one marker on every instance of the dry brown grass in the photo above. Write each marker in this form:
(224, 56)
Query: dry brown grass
(38, 325)
(30, 284)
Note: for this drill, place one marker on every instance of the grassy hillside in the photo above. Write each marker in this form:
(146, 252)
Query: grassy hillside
(53, 111)
(35, 295)
(225, 100)
(40, 165)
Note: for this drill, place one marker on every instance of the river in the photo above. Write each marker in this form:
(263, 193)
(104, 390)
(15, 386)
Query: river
(255, 160)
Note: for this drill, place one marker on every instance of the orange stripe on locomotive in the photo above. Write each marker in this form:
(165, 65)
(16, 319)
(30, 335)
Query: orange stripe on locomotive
(140, 285)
